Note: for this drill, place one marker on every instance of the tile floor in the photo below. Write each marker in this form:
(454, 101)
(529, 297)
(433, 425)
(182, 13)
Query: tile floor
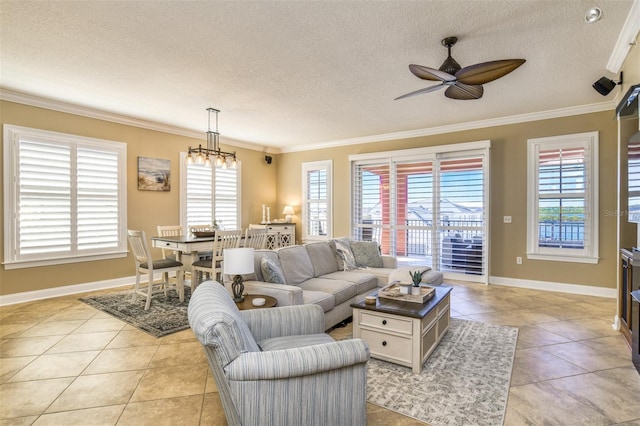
(64, 363)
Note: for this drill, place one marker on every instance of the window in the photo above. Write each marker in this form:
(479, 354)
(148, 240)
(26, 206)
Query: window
(427, 206)
(317, 197)
(212, 193)
(65, 198)
(562, 220)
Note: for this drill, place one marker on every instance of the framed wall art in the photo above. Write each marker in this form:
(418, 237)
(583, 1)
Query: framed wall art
(154, 174)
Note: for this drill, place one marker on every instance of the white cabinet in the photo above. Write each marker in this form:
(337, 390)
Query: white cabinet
(278, 234)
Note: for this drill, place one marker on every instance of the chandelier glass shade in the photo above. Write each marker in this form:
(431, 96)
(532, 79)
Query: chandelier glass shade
(212, 152)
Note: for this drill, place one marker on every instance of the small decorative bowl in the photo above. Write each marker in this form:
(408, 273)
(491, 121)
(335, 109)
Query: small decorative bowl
(370, 300)
(258, 301)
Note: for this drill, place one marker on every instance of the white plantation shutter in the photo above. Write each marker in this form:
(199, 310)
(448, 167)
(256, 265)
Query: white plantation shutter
(563, 201)
(68, 195)
(462, 219)
(226, 198)
(44, 199)
(199, 193)
(97, 196)
(212, 193)
(317, 200)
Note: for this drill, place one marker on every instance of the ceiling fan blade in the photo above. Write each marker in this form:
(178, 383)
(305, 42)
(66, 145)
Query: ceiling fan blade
(487, 71)
(421, 91)
(464, 91)
(427, 73)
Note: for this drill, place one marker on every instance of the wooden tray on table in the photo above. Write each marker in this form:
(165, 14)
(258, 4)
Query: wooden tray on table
(392, 292)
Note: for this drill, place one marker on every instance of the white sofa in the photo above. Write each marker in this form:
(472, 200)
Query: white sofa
(314, 273)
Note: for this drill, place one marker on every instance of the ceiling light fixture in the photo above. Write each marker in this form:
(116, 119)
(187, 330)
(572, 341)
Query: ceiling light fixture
(212, 152)
(593, 14)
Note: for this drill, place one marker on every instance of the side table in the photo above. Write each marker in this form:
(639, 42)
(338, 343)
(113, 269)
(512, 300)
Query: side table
(270, 302)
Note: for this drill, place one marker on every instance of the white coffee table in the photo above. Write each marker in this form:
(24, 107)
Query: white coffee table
(403, 333)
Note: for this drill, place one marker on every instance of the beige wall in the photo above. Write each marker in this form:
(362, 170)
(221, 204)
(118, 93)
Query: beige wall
(508, 188)
(146, 209)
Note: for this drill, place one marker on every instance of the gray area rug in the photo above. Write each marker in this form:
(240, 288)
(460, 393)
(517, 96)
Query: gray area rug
(166, 315)
(464, 382)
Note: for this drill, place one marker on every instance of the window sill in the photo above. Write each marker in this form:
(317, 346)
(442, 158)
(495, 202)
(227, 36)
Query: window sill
(563, 258)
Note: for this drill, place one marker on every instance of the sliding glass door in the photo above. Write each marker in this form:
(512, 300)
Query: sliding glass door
(427, 209)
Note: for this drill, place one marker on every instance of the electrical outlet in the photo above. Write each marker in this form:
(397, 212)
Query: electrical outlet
(507, 219)
(519, 260)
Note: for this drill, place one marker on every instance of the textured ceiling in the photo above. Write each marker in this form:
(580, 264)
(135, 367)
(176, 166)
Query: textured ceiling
(289, 74)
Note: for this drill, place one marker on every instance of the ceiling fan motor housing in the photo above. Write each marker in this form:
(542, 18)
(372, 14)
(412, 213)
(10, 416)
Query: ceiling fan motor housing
(450, 65)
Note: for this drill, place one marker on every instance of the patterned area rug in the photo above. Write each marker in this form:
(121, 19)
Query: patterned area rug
(464, 382)
(165, 316)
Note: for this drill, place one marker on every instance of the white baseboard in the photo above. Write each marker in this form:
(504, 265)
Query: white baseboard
(29, 296)
(586, 290)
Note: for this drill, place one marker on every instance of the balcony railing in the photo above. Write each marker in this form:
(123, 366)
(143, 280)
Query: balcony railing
(417, 234)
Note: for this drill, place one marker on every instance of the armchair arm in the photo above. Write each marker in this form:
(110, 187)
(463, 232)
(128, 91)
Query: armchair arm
(284, 321)
(286, 295)
(296, 362)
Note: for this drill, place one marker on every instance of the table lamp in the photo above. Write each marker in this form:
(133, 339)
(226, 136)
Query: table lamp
(289, 212)
(237, 261)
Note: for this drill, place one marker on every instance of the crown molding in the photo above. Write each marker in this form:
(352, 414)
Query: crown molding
(626, 39)
(60, 106)
(514, 119)
(40, 102)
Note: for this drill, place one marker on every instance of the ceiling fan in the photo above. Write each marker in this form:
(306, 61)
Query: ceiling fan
(461, 83)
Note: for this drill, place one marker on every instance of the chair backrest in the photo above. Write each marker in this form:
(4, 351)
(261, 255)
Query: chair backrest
(168, 231)
(216, 321)
(255, 238)
(139, 247)
(225, 239)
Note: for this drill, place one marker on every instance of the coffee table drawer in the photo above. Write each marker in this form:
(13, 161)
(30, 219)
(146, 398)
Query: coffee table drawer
(389, 347)
(386, 323)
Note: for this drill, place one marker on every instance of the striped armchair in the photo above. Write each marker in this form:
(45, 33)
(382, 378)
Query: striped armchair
(277, 366)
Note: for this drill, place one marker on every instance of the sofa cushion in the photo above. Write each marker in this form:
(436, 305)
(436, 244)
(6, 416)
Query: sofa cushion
(299, 341)
(325, 300)
(322, 257)
(364, 281)
(343, 249)
(271, 272)
(366, 254)
(257, 266)
(342, 291)
(296, 264)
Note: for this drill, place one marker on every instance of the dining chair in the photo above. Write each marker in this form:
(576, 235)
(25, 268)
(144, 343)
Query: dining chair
(212, 267)
(146, 265)
(169, 231)
(255, 238)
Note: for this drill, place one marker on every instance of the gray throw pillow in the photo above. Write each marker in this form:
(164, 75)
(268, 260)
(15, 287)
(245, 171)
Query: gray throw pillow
(271, 272)
(343, 248)
(366, 254)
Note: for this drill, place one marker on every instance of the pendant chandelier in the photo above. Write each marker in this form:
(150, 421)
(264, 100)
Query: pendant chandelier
(212, 153)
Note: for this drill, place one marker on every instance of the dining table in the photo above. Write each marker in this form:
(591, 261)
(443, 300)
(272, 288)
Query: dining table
(189, 244)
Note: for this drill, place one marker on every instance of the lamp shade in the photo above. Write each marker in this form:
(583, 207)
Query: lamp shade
(238, 261)
(289, 212)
